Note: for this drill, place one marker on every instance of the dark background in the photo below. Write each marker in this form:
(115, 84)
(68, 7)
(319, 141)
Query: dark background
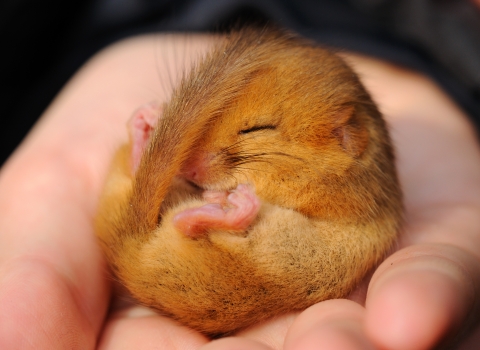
(43, 42)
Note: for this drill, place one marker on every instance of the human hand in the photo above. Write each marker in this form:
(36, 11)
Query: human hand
(53, 293)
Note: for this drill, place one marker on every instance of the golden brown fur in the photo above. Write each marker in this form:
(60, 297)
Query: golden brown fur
(289, 118)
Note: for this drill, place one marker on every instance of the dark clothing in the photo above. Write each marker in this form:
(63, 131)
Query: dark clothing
(45, 42)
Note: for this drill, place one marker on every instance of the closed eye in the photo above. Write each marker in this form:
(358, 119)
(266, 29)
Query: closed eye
(257, 128)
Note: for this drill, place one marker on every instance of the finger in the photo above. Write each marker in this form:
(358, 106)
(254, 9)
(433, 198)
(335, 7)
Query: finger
(271, 332)
(140, 328)
(41, 311)
(420, 294)
(235, 343)
(332, 324)
(53, 293)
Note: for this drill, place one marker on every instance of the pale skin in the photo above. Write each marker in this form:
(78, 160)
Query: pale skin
(54, 293)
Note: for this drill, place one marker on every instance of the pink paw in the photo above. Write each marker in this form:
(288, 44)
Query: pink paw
(233, 211)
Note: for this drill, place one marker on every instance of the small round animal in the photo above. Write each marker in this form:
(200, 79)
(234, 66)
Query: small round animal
(268, 184)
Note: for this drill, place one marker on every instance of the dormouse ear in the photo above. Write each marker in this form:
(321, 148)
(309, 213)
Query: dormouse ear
(351, 131)
(140, 127)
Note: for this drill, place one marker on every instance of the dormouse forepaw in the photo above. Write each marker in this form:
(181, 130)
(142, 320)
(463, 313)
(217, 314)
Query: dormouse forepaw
(233, 211)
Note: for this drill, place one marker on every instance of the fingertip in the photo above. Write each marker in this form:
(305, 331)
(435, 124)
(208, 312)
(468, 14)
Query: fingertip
(332, 324)
(416, 302)
(235, 343)
(140, 328)
(333, 336)
(39, 309)
(271, 332)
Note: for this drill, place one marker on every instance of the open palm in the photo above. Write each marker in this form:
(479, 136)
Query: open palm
(54, 287)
